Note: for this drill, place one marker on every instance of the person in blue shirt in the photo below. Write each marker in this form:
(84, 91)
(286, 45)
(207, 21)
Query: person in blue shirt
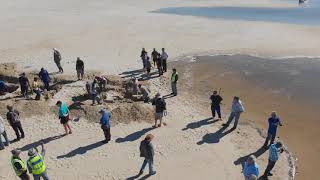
(250, 168)
(105, 124)
(3, 87)
(274, 122)
(44, 76)
(274, 151)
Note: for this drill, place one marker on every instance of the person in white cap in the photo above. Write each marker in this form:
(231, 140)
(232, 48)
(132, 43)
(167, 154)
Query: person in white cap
(35, 163)
(57, 59)
(18, 165)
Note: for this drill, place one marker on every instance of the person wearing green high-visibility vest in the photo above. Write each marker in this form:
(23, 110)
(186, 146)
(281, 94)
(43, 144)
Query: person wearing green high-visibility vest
(18, 165)
(35, 163)
(174, 80)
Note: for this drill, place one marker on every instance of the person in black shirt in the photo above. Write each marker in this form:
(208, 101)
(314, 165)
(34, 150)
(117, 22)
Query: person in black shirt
(24, 85)
(155, 55)
(57, 59)
(80, 68)
(215, 104)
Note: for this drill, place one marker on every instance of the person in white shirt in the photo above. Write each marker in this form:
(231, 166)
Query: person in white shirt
(236, 110)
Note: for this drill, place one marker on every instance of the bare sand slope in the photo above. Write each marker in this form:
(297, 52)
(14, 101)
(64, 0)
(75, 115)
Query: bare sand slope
(191, 146)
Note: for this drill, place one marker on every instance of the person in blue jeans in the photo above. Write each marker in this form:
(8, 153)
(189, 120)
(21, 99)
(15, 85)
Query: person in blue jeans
(274, 122)
(44, 76)
(147, 152)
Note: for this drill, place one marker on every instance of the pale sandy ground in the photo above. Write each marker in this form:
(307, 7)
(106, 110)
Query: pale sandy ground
(184, 149)
(110, 34)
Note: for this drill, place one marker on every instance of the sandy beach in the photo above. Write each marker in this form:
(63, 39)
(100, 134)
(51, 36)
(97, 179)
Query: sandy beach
(109, 35)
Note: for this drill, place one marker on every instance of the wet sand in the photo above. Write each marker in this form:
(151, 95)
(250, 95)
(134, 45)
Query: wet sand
(289, 86)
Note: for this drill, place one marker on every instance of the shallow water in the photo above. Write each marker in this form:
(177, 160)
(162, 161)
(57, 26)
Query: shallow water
(305, 14)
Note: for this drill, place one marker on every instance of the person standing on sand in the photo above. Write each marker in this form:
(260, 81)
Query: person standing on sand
(250, 168)
(274, 151)
(215, 104)
(148, 67)
(236, 110)
(143, 57)
(19, 167)
(35, 163)
(57, 59)
(174, 81)
(147, 152)
(13, 117)
(105, 124)
(79, 68)
(155, 56)
(24, 85)
(164, 58)
(44, 76)
(274, 122)
(4, 134)
(64, 116)
(160, 104)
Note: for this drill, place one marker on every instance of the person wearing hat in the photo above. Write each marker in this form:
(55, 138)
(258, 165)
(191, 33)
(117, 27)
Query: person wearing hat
(35, 163)
(215, 104)
(160, 105)
(79, 68)
(147, 152)
(164, 58)
(57, 59)
(274, 151)
(24, 85)
(64, 116)
(105, 124)
(250, 168)
(13, 117)
(4, 134)
(18, 165)
(174, 80)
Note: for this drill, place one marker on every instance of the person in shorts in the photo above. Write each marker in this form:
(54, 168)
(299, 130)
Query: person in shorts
(160, 105)
(64, 116)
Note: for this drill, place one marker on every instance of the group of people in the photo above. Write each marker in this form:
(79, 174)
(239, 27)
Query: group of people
(251, 169)
(159, 61)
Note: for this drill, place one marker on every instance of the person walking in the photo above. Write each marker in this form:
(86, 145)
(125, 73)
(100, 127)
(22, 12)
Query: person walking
(44, 76)
(105, 124)
(164, 58)
(13, 117)
(35, 163)
(145, 93)
(143, 57)
(79, 68)
(4, 134)
(274, 151)
(274, 122)
(236, 110)
(155, 56)
(147, 152)
(24, 85)
(57, 59)
(160, 105)
(19, 167)
(215, 104)
(159, 66)
(250, 168)
(174, 80)
(64, 116)
(36, 86)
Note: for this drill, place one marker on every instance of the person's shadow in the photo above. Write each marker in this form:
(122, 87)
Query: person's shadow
(134, 136)
(211, 138)
(81, 150)
(137, 176)
(257, 153)
(37, 143)
(198, 124)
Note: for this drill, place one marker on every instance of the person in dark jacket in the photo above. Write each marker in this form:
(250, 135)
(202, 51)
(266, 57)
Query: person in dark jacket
(3, 88)
(44, 76)
(143, 57)
(215, 104)
(147, 152)
(19, 166)
(164, 58)
(13, 118)
(155, 56)
(174, 81)
(160, 104)
(80, 68)
(105, 124)
(24, 85)
(274, 122)
(57, 59)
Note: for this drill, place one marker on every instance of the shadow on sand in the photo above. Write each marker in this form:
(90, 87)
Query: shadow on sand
(37, 143)
(81, 150)
(198, 124)
(134, 136)
(257, 154)
(211, 138)
(137, 177)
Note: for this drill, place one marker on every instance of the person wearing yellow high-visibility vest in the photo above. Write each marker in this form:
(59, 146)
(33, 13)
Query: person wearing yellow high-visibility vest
(174, 80)
(36, 165)
(18, 165)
